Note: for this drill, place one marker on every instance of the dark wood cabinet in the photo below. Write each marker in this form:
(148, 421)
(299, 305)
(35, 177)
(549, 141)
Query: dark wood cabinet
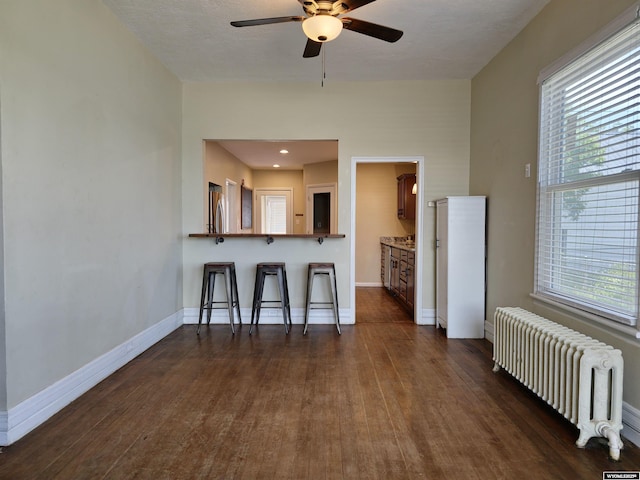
(406, 197)
(395, 271)
(385, 264)
(402, 276)
(407, 269)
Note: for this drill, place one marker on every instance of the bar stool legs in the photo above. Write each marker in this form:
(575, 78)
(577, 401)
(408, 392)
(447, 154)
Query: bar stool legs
(262, 271)
(329, 270)
(228, 270)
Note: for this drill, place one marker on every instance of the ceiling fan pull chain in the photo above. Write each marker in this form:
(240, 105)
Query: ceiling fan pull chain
(324, 73)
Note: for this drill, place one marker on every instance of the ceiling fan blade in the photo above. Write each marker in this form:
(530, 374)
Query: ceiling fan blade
(353, 4)
(266, 21)
(312, 49)
(371, 29)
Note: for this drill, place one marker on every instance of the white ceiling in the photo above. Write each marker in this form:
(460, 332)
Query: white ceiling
(264, 154)
(443, 39)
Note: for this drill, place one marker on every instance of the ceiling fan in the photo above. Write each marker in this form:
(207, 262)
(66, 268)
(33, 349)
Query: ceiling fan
(321, 23)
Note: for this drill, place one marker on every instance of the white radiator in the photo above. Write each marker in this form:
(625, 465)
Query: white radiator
(577, 375)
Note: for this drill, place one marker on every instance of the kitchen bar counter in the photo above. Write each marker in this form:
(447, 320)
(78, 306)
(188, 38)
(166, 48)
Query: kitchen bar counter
(269, 238)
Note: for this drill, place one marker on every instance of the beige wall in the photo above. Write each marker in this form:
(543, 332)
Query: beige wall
(385, 119)
(504, 138)
(321, 172)
(90, 152)
(377, 215)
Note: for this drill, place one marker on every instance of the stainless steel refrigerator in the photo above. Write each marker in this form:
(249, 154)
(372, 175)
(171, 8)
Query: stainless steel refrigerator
(216, 222)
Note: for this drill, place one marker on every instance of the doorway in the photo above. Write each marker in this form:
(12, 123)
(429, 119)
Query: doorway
(273, 213)
(365, 242)
(322, 208)
(375, 305)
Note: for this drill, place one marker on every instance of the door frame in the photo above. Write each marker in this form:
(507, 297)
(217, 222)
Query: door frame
(420, 240)
(231, 199)
(331, 189)
(258, 193)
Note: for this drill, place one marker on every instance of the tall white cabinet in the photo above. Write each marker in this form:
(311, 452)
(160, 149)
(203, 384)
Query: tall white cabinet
(460, 266)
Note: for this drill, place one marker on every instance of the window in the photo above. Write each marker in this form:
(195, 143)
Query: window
(587, 253)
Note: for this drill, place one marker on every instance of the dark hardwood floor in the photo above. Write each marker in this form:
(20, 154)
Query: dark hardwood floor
(376, 305)
(385, 400)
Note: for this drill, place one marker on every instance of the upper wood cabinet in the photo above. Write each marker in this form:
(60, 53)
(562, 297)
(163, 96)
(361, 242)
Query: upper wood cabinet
(406, 197)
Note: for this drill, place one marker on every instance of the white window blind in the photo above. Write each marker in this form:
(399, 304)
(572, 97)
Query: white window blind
(589, 180)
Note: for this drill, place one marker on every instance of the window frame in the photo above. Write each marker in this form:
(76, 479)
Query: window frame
(559, 188)
(548, 298)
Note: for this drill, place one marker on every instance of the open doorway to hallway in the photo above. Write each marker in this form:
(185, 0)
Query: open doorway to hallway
(376, 213)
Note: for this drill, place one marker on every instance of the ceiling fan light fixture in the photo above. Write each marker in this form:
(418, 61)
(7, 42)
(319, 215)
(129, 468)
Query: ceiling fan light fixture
(322, 28)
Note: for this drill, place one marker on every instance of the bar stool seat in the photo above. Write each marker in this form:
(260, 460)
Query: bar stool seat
(328, 270)
(228, 270)
(264, 270)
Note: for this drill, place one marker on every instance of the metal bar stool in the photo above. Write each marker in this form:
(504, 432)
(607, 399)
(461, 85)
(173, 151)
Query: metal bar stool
(228, 270)
(329, 270)
(263, 270)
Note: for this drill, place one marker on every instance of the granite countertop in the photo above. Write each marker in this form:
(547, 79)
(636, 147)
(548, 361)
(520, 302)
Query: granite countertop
(399, 242)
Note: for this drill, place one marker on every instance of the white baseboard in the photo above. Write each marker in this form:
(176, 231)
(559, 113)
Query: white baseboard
(369, 284)
(488, 331)
(631, 424)
(4, 429)
(34, 411)
(427, 317)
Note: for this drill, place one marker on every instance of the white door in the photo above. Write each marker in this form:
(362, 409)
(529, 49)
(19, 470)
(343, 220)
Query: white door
(274, 212)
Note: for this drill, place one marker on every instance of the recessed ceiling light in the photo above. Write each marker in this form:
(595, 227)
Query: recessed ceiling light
(275, 165)
(284, 151)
